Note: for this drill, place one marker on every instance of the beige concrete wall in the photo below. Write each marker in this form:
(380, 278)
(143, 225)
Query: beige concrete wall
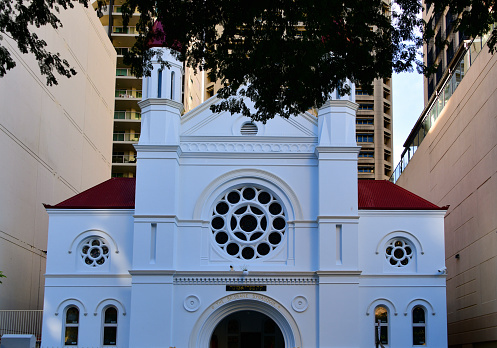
(54, 142)
(456, 165)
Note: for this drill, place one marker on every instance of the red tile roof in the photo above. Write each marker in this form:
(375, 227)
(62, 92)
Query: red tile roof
(115, 193)
(384, 195)
(119, 193)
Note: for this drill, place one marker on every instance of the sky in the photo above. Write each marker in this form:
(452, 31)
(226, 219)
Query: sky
(407, 106)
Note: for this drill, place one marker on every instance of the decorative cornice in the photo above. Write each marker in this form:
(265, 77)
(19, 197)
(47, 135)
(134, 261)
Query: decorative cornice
(248, 147)
(157, 148)
(340, 102)
(160, 101)
(242, 280)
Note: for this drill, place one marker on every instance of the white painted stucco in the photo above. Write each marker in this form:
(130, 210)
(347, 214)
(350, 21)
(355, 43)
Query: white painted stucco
(168, 277)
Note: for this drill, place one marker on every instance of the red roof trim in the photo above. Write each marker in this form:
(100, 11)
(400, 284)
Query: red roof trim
(119, 193)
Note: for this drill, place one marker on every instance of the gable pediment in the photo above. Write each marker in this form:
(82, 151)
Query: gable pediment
(202, 122)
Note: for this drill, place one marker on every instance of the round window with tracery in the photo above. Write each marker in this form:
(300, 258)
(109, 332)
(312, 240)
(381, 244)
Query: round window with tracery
(94, 251)
(248, 223)
(399, 253)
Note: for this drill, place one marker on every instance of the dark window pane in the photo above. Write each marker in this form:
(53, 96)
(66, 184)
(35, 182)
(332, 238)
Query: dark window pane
(71, 336)
(384, 335)
(418, 315)
(111, 315)
(72, 316)
(110, 336)
(418, 336)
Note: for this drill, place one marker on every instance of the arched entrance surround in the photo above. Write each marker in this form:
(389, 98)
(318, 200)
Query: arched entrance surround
(218, 310)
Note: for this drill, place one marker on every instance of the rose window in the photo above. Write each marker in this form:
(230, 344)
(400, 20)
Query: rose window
(399, 253)
(94, 252)
(248, 223)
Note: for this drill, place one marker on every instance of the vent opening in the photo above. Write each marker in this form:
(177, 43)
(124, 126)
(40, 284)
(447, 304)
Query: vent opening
(249, 128)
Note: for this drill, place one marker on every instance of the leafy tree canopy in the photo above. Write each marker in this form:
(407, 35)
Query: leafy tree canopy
(285, 55)
(18, 19)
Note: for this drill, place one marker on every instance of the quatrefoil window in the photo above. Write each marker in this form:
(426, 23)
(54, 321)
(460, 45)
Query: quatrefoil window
(94, 251)
(399, 252)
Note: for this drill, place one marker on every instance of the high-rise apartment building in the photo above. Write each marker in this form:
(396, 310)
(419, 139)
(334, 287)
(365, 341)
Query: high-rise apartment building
(450, 158)
(436, 52)
(374, 117)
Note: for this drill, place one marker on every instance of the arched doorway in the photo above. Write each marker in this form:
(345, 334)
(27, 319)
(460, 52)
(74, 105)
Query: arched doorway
(247, 329)
(222, 308)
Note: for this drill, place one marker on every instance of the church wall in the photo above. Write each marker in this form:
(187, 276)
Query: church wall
(70, 282)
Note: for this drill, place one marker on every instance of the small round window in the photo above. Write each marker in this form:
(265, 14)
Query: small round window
(94, 251)
(399, 252)
(248, 223)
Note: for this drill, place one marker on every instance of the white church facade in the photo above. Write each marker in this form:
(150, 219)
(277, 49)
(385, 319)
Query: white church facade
(238, 234)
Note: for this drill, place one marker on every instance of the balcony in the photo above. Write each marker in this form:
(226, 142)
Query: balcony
(126, 137)
(121, 50)
(123, 159)
(123, 30)
(127, 115)
(124, 72)
(118, 9)
(128, 93)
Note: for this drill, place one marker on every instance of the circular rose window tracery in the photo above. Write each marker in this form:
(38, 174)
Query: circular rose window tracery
(94, 252)
(248, 223)
(399, 253)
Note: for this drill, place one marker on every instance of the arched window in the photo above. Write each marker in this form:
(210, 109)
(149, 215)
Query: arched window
(71, 326)
(159, 86)
(418, 326)
(172, 85)
(110, 327)
(381, 325)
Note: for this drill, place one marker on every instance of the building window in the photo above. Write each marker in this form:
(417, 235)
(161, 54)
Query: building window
(360, 91)
(364, 138)
(94, 251)
(366, 154)
(363, 121)
(110, 327)
(71, 326)
(399, 253)
(365, 169)
(172, 86)
(366, 106)
(159, 84)
(248, 223)
(381, 325)
(418, 326)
